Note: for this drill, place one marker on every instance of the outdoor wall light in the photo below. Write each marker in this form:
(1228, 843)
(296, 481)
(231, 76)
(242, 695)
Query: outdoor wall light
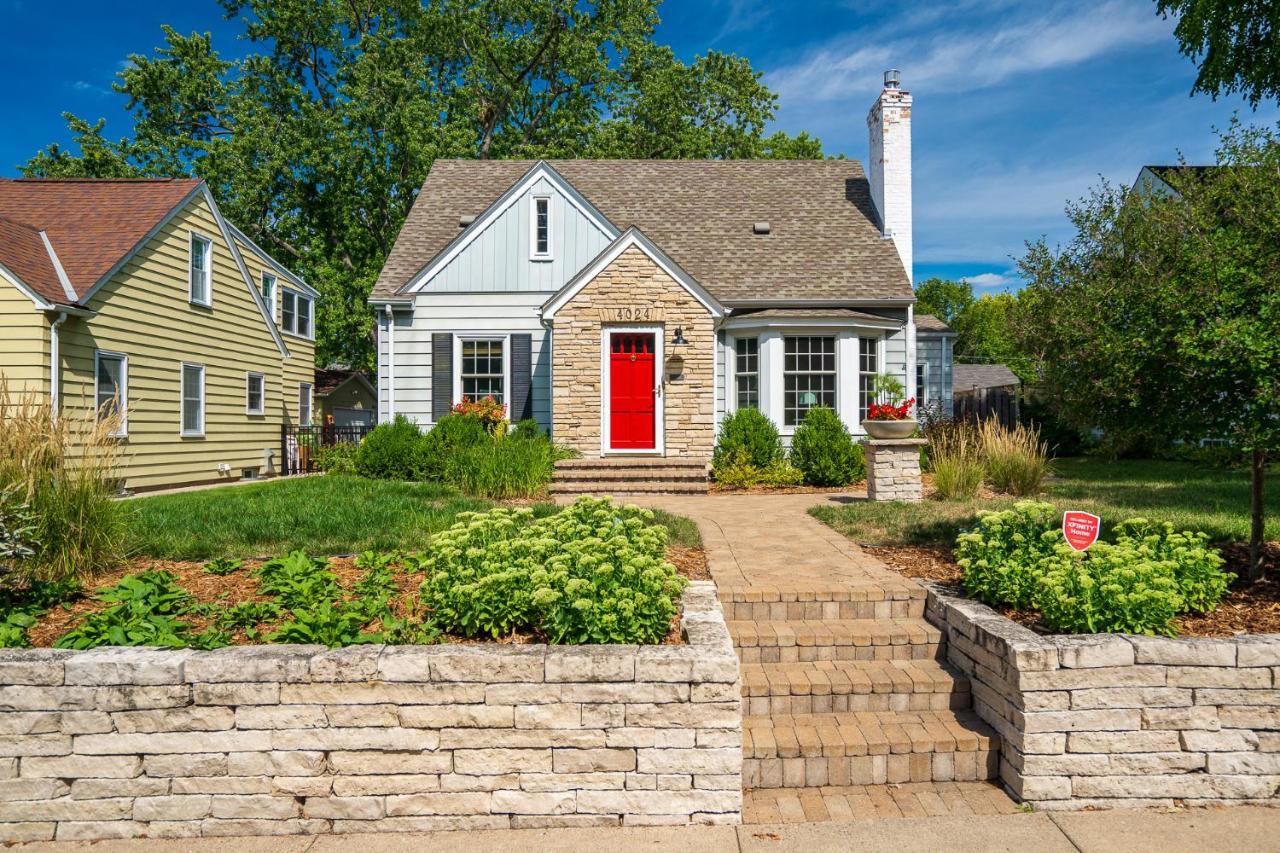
(679, 340)
(675, 368)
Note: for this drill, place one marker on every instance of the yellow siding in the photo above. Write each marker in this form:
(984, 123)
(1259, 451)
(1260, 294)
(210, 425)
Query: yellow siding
(144, 312)
(24, 341)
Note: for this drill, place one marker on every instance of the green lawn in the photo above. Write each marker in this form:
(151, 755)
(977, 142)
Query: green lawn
(319, 515)
(1190, 496)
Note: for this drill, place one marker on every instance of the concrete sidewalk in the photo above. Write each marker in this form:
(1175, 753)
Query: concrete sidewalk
(1193, 831)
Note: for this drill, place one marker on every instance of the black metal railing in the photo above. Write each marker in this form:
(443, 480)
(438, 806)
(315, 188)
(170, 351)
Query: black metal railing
(301, 445)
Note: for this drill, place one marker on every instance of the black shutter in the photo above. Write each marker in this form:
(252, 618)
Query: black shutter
(521, 378)
(441, 374)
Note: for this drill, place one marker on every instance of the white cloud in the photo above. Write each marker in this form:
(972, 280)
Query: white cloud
(989, 280)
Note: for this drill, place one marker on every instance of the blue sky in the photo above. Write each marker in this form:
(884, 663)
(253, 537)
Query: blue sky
(1019, 106)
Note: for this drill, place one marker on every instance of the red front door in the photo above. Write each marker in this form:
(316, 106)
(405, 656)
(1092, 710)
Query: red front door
(631, 391)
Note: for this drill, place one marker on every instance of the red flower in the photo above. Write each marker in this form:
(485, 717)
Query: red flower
(888, 412)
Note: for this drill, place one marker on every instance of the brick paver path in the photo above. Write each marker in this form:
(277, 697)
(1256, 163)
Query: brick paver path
(849, 705)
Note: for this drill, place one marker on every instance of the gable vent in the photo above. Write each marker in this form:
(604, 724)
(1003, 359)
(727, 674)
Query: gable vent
(464, 221)
(760, 228)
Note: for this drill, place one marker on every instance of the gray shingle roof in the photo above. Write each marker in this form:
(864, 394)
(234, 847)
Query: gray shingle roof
(824, 241)
(804, 313)
(967, 376)
(930, 323)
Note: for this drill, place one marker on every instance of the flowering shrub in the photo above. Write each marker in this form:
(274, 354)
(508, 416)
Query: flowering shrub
(890, 412)
(1197, 568)
(488, 410)
(1001, 556)
(593, 573)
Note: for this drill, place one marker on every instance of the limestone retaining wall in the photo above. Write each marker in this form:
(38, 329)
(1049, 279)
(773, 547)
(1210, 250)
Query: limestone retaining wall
(269, 740)
(1121, 721)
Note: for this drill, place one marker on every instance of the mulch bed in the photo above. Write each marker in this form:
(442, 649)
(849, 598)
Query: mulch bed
(1247, 608)
(242, 586)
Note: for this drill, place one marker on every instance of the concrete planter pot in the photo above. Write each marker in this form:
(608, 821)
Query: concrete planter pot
(891, 429)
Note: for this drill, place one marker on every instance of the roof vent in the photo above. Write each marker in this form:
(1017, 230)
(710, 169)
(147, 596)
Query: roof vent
(464, 221)
(760, 228)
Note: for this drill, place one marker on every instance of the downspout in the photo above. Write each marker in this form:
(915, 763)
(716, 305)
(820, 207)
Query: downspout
(391, 361)
(55, 369)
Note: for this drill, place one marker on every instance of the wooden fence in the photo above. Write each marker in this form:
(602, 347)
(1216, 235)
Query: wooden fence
(983, 403)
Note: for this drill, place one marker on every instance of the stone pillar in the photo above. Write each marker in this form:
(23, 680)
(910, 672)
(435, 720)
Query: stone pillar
(893, 469)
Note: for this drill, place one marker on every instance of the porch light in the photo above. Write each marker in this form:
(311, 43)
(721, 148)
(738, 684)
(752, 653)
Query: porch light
(679, 340)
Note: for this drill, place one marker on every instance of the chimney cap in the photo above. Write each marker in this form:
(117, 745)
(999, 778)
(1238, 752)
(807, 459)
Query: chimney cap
(892, 78)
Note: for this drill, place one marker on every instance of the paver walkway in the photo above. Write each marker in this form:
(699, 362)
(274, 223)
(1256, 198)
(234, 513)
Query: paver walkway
(849, 706)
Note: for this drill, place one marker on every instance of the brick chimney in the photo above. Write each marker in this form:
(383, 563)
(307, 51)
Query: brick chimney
(889, 164)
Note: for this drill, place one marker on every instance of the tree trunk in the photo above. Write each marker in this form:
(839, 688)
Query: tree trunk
(1256, 534)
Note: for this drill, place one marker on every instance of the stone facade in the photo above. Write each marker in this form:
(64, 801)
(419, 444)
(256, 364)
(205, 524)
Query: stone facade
(633, 291)
(272, 740)
(1110, 721)
(893, 469)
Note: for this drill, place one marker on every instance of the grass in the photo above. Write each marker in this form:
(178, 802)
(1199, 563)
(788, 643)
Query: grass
(333, 514)
(1190, 496)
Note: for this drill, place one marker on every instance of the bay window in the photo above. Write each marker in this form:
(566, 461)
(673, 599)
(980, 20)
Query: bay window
(808, 375)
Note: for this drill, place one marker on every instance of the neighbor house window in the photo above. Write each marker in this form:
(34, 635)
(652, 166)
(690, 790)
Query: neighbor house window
(541, 237)
(922, 385)
(295, 313)
(201, 270)
(255, 394)
(112, 387)
(192, 399)
(304, 403)
(808, 375)
(269, 293)
(746, 372)
(482, 369)
(868, 369)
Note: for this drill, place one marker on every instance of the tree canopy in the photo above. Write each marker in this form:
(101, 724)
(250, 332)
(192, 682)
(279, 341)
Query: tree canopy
(983, 325)
(316, 142)
(1236, 44)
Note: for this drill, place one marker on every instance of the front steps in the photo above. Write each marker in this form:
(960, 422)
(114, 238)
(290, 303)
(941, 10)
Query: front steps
(629, 475)
(834, 639)
(832, 686)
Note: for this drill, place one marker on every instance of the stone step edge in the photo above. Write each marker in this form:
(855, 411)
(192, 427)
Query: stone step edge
(872, 628)
(870, 591)
(950, 681)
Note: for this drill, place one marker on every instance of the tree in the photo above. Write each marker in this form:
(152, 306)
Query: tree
(1235, 42)
(983, 325)
(316, 142)
(1159, 320)
(944, 298)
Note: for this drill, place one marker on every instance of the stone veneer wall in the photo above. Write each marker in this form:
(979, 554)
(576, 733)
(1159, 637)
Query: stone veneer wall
(633, 290)
(1121, 721)
(270, 740)
(893, 469)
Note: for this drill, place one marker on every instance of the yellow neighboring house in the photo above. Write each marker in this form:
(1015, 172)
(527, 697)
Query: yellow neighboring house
(139, 292)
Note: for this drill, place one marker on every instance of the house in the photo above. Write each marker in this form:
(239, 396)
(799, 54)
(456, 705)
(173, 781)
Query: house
(974, 379)
(139, 294)
(935, 345)
(347, 396)
(629, 305)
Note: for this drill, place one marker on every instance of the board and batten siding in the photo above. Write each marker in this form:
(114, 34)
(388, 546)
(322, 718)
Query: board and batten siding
(144, 312)
(24, 342)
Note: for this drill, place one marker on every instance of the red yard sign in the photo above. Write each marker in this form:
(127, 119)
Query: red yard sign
(1080, 528)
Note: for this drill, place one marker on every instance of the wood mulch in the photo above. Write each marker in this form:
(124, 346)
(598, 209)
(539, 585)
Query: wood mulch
(1247, 608)
(241, 586)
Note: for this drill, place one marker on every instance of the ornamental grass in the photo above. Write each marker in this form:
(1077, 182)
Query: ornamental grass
(1015, 460)
(955, 457)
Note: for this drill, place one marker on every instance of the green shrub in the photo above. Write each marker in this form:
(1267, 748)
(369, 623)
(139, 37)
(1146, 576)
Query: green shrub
(737, 474)
(1014, 461)
(1109, 588)
(502, 469)
(593, 573)
(824, 451)
(527, 429)
(452, 435)
(391, 451)
(747, 437)
(338, 458)
(1001, 556)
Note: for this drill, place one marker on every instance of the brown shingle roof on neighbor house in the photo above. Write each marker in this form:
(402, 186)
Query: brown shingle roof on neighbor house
(930, 323)
(328, 379)
(823, 242)
(91, 223)
(966, 377)
(23, 253)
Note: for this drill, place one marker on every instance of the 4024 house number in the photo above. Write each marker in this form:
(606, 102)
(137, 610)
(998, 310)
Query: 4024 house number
(633, 314)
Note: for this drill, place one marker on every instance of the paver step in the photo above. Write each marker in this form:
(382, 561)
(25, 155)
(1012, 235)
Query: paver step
(629, 487)
(867, 748)
(828, 686)
(870, 600)
(875, 802)
(637, 463)
(595, 475)
(834, 639)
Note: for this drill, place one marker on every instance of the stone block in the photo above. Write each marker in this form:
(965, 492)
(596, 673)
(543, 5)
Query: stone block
(301, 763)
(1185, 651)
(557, 716)
(187, 764)
(1244, 763)
(102, 789)
(462, 803)
(586, 781)
(222, 785)
(689, 760)
(1249, 716)
(1089, 652)
(195, 719)
(37, 698)
(1211, 676)
(281, 717)
(176, 742)
(527, 803)
(1147, 763)
(1197, 785)
(482, 664)
(126, 666)
(361, 763)
(590, 664)
(457, 716)
(664, 664)
(126, 698)
(301, 786)
(617, 693)
(33, 666)
(353, 808)
(82, 767)
(1123, 741)
(32, 789)
(1130, 697)
(190, 807)
(657, 802)
(353, 663)
(355, 716)
(24, 745)
(236, 693)
(29, 830)
(1125, 719)
(255, 806)
(252, 663)
(215, 828)
(1076, 679)
(489, 762)
(98, 830)
(65, 808)
(1198, 717)
(1258, 651)
(397, 739)
(372, 786)
(379, 693)
(593, 760)
(1227, 696)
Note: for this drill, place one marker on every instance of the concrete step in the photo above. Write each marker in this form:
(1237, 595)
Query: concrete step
(867, 748)
(826, 686)
(587, 463)
(834, 639)
(610, 475)
(871, 600)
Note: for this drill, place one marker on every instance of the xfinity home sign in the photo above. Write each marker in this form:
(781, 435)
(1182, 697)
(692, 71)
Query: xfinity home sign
(1080, 529)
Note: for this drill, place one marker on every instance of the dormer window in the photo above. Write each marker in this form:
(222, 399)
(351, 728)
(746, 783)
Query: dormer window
(540, 229)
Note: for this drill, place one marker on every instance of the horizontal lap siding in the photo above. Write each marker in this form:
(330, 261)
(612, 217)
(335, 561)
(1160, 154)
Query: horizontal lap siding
(935, 352)
(24, 342)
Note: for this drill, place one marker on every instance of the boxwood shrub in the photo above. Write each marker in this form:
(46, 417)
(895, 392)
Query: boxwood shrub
(824, 451)
(747, 437)
(391, 451)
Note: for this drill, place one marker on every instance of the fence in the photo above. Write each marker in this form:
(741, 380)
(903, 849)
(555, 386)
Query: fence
(983, 403)
(299, 445)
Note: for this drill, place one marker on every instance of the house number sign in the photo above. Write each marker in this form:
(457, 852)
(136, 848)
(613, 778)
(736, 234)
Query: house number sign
(636, 314)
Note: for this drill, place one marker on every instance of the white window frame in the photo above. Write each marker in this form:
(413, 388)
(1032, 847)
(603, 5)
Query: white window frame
(306, 392)
(262, 393)
(505, 338)
(534, 254)
(922, 384)
(659, 407)
(880, 369)
(761, 403)
(207, 302)
(298, 297)
(269, 294)
(834, 373)
(122, 403)
(182, 400)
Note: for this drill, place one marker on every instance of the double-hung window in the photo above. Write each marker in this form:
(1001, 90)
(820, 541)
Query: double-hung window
(255, 394)
(922, 385)
(192, 399)
(483, 372)
(304, 403)
(201, 272)
(269, 293)
(808, 375)
(868, 369)
(295, 313)
(111, 387)
(746, 372)
(540, 229)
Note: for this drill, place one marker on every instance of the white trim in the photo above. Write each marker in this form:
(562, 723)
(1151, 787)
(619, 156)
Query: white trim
(731, 372)
(632, 237)
(67, 289)
(272, 301)
(262, 394)
(389, 312)
(122, 398)
(275, 265)
(192, 236)
(298, 296)
(534, 254)
(739, 324)
(455, 394)
(539, 171)
(311, 403)
(182, 400)
(659, 402)
(911, 352)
